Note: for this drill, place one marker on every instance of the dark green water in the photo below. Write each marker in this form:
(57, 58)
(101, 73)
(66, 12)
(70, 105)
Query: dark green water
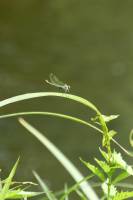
(89, 45)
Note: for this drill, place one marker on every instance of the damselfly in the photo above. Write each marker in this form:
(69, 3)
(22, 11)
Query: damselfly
(53, 80)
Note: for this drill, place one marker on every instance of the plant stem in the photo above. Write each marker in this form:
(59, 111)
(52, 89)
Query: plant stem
(109, 185)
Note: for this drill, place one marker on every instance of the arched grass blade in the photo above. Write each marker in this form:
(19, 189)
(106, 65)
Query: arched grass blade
(62, 95)
(78, 120)
(44, 94)
(67, 96)
(75, 119)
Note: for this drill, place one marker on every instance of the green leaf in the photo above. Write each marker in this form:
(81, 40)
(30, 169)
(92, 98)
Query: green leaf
(118, 162)
(104, 154)
(109, 118)
(121, 177)
(8, 182)
(20, 194)
(95, 119)
(94, 169)
(111, 134)
(106, 118)
(106, 168)
(123, 195)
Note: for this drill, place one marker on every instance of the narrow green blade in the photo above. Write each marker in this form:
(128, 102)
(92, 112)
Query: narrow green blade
(8, 182)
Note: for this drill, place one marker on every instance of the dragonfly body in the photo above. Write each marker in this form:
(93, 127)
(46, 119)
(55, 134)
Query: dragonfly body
(57, 83)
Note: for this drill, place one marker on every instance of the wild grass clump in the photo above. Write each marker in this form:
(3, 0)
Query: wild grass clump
(10, 189)
(110, 171)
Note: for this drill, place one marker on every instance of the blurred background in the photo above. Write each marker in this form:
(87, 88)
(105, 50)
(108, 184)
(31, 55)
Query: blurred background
(87, 44)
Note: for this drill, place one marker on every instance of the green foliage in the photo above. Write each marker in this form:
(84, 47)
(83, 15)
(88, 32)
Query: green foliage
(107, 175)
(67, 164)
(123, 195)
(9, 192)
(94, 170)
(5, 188)
(111, 170)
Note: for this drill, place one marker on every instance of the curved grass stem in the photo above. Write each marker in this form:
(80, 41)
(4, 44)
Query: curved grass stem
(75, 119)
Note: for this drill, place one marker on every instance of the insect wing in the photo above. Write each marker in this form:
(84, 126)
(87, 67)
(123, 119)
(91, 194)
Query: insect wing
(55, 80)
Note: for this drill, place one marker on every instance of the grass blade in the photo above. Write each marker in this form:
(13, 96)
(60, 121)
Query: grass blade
(44, 187)
(73, 171)
(76, 187)
(62, 95)
(65, 191)
(75, 119)
(44, 94)
(21, 194)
